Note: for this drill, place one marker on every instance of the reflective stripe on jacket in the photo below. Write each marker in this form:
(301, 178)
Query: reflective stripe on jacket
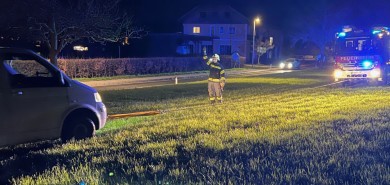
(217, 72)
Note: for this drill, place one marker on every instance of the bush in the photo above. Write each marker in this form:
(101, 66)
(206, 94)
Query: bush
(103, 67)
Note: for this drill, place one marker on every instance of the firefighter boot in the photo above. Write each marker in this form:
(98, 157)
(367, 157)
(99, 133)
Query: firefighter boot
(219, 99)
(212, 100)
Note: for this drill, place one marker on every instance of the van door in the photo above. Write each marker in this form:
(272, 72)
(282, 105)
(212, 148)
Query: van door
(36, 98)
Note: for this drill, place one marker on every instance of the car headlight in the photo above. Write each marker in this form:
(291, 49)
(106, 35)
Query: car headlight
(375, 73)
(289, 65)
(338, 73)
(282, 65)
(98, 98)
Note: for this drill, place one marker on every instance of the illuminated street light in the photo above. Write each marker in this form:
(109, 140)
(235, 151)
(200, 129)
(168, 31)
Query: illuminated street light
(256, 20)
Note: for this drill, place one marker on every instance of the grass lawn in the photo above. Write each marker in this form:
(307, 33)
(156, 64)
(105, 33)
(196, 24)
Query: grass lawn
(273, 129)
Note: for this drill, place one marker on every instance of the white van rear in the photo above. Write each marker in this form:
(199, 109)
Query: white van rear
(38, 101)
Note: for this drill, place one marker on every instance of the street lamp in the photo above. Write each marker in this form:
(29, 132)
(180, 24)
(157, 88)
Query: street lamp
(256, 20)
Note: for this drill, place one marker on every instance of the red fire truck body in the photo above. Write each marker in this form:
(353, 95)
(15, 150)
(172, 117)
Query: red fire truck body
(362, 55)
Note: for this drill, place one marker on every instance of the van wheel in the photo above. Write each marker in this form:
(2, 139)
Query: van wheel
(79, 128)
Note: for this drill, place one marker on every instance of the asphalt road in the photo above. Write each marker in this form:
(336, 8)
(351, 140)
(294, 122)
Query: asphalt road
(142, 82)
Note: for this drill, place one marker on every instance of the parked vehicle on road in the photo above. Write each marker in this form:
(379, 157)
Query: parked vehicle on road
(38, 101)
(290, 63)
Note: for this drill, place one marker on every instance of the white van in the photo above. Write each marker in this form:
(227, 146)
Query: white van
(38, 101)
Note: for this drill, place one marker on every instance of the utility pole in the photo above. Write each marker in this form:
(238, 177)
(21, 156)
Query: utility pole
(256, 20)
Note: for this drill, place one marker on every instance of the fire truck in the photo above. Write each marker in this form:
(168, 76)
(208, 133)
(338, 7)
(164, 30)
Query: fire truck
(362, 55)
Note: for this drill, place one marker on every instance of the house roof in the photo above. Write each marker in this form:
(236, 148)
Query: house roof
(214, 14)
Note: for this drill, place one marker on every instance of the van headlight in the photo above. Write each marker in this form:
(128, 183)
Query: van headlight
(282, 65)
(289, 65)
(98, 98)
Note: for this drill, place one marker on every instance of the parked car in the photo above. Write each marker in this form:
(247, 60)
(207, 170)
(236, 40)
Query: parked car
(38, 101)
(290, 63)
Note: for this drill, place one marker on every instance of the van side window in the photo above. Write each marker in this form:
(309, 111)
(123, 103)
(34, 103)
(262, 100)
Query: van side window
(27, 73)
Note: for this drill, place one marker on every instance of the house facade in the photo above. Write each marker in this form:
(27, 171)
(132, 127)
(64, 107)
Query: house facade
(227, 28)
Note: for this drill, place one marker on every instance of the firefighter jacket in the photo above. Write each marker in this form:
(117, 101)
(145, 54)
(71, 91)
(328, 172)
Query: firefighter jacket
(217, 72)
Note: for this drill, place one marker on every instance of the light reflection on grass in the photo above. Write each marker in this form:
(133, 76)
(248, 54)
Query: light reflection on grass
(268, 131)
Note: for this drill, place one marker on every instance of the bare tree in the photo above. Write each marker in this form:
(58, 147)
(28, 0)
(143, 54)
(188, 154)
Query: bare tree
(263, 45)
(59, 23)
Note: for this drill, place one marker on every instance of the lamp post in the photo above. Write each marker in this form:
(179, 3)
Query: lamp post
(256, 20)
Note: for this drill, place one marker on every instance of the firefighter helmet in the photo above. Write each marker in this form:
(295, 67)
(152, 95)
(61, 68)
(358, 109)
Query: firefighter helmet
(216, 56)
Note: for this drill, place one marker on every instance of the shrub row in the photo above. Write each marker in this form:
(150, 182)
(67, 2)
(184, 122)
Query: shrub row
(103, 67)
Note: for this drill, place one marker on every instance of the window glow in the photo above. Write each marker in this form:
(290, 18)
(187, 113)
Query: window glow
(196, 29)
(80, 48)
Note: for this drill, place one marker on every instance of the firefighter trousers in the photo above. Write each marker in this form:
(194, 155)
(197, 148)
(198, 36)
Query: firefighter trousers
(215, 91)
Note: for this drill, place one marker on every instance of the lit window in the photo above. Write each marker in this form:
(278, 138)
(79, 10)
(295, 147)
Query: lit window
(80, 48)
(196, 30)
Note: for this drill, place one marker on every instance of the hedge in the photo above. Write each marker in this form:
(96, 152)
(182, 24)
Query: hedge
(103, 67)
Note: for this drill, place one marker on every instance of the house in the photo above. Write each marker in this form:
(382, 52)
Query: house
(227, 28)
(217, 28)
(172, 44)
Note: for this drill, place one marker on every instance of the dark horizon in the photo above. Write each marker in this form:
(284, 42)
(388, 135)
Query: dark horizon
(163, 16)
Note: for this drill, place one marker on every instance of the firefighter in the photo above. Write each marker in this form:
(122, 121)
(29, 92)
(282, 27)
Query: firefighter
(216, 81)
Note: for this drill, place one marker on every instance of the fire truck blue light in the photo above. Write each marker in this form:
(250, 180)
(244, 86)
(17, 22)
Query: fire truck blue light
(342, 34)
(376, 32)
(367, 64)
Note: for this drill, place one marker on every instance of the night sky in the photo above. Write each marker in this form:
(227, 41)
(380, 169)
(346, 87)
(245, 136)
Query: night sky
(163, 15)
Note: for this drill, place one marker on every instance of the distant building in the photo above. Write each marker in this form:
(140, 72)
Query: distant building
(227, 27)
(173, 44)
(218, 28)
